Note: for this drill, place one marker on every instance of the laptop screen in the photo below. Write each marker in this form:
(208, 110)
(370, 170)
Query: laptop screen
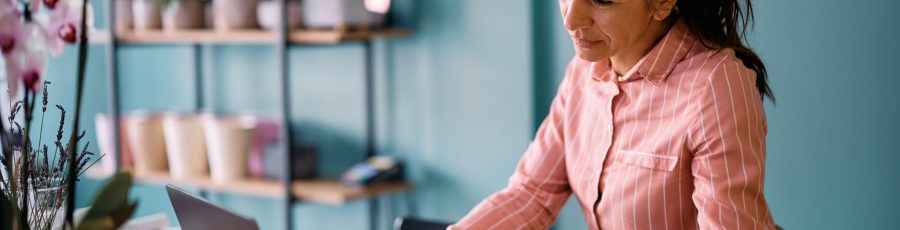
(195, 213)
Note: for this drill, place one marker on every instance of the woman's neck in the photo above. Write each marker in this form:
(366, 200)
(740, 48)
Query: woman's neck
(624, 62)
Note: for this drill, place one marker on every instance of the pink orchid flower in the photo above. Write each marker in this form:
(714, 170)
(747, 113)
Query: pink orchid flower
(25, 44)
(26, 62)
(62, 27)
(10, 26)
(51, 3)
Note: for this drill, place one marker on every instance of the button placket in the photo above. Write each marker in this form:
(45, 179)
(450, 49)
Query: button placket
(605, 143)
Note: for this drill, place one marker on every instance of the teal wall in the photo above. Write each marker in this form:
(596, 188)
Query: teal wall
(834, 134)
(459, 101)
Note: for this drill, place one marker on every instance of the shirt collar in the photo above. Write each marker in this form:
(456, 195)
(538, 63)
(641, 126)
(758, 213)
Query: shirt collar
(658, 64)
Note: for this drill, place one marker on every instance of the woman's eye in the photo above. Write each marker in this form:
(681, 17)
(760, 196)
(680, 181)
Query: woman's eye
(602, 2)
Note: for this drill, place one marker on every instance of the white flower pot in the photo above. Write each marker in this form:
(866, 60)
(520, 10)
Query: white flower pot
(147, 15)
(235, 14)
(269, 14)
(145, 134)
(228, 142)
(329, 14)
(186, 146)
(183, 14)
(106, 140)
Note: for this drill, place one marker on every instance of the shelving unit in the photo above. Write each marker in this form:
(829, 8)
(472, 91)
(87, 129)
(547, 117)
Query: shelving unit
(322, 37)
(327, 191)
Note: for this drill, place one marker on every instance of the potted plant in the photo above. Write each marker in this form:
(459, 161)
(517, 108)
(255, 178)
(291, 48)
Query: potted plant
(229, 140)
(148, 144)
(185, 145)
(330, 14)
(234, 14)
(32, 186)
(269, 14)
(182, 14)
(147, 15)
(124, 18)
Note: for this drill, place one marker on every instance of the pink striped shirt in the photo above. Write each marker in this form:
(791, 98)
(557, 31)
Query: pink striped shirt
(676, 143)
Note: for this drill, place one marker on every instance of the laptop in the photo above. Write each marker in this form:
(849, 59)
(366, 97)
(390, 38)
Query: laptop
(195, 213)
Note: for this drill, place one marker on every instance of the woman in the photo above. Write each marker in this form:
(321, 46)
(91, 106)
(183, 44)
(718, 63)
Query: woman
(659, 124)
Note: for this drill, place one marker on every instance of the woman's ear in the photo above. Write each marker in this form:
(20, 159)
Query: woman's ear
(663, 8)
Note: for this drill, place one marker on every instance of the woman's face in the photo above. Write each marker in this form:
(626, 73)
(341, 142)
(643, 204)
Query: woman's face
(601, 29)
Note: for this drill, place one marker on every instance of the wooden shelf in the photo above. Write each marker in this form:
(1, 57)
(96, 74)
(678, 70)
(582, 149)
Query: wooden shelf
(337, 36)
(319, 191)
(246, 36)
(196, 36)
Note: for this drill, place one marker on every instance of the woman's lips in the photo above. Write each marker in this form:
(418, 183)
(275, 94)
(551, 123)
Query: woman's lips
(585, 43)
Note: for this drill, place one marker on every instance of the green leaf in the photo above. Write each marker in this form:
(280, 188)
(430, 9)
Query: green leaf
(97, 223)
(121, 216)
(114, 221)
(110, 208)
(113, 197)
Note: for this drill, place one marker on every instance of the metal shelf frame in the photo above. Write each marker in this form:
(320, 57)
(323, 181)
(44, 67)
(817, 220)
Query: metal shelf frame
(203, 74)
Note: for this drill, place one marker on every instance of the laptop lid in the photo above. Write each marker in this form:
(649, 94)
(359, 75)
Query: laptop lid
(195, 213)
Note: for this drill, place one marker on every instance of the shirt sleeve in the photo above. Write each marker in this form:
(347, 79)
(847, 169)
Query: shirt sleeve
(728, 142)
(539, 187)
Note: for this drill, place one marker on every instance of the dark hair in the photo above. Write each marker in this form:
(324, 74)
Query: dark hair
(723, 24)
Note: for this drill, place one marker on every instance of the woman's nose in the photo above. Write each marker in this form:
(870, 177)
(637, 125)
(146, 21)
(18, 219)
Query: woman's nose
(577, 14)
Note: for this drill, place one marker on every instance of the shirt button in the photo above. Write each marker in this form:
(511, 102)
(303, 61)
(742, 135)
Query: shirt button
(609, 129)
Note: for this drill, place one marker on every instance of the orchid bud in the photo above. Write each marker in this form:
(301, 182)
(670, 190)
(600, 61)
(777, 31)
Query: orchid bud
(51, 3)
(7, 43)
(68, 33)
(32, 80)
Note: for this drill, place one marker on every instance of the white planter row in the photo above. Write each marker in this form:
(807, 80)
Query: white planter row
(143, 15)
(186, 146)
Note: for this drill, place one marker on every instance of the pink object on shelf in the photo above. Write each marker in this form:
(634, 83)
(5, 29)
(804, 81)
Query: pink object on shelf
(267, 133)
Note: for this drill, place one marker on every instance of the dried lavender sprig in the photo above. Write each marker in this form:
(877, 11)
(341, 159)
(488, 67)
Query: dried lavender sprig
(82, 154)
(46, 90)
(91, 165)
(46, 161)
(81, 136)
(62, 123)
(13, 110)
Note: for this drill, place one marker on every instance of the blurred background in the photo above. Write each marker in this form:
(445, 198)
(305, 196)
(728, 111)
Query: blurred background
(458, 98)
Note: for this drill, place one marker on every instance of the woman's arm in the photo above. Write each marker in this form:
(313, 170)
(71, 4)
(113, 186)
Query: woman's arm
(538, 188)
(728, 141)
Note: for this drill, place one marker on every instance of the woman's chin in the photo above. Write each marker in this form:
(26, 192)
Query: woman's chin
(591, 56)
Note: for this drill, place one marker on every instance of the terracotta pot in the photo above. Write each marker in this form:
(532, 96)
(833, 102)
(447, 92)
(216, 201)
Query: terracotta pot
(145, 134)
(235, 14)
(124, 18)
(183, 14)
(147, 15)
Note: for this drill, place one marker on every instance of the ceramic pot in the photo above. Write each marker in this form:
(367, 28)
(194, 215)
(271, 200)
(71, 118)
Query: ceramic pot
(124, 18)
(329, 14)
(228, 141)
(147, 15)
(269, 14)
(145, 134)
(186, 146)
(235, 14)
(183, 14)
